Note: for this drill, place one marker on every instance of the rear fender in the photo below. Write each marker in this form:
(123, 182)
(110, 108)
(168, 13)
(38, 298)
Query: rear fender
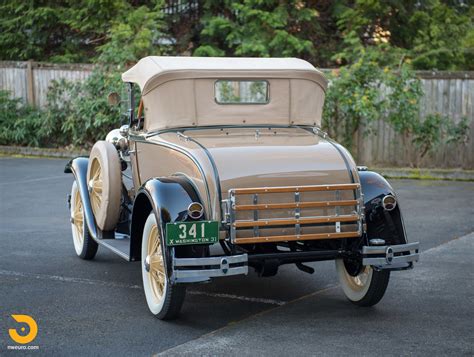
(169, 198)
(387, 225)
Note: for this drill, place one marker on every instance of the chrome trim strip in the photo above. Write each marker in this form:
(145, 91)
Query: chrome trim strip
(396, 248)
(204, 275)
(206, 127)
(201, 275)
(232, 259)
(383, 257)
(214, 169)
(382, 262)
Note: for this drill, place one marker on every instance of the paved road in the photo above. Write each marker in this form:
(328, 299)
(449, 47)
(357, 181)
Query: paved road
(98, 307)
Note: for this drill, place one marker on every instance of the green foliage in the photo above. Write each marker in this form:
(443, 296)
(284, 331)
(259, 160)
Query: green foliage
(378, 43)
(75, 30)
(133, 36)
(256, 28)
(82, 108)
(353, 99)
(362, 93)
(78, 113)
(437, 129)
(432, 34)
(21, 124)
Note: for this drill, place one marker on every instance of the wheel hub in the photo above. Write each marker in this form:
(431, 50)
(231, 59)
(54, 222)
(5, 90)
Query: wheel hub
(147, 263)
(90, 185)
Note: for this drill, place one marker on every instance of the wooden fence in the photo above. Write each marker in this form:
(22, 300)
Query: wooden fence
(447, 93)
(31, 80)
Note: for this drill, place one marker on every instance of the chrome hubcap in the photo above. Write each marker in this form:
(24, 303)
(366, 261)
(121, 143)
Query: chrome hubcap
(147, 263)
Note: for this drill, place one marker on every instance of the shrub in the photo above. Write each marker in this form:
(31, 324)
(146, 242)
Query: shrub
(361, 93)
(21, 124)
(82, 108)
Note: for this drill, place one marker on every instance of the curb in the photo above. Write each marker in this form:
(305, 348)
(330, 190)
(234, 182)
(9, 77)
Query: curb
(426, 174)
(41, 152)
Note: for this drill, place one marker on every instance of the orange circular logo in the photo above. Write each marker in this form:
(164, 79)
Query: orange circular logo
(21, 338)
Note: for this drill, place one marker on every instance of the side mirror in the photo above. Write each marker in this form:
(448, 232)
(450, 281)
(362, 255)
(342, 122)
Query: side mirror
(113, 99)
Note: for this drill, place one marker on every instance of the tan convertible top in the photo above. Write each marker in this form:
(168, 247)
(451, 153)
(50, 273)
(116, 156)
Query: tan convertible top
(152, 71)
(180, 91)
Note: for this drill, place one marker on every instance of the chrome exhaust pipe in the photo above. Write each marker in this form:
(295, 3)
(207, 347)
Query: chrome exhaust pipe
(389, 203)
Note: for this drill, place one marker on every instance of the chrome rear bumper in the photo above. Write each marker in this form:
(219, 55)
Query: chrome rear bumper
(392, 257)
(196, 270)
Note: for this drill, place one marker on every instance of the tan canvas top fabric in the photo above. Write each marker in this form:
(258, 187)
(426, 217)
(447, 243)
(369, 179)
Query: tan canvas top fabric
(179, 91)
(151, 71)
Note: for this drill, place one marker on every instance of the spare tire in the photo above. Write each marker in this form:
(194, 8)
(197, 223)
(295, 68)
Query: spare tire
(104, 180)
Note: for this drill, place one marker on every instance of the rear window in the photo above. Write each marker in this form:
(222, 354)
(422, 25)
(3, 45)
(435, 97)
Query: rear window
(241, 92)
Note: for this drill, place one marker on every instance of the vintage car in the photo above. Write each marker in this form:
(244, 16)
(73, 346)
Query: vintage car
(223, 166)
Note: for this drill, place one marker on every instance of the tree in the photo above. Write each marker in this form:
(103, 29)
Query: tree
(433, 34)
(73, 30)
(263, 28)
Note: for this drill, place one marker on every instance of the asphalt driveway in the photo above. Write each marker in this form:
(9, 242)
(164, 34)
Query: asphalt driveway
(98, 307)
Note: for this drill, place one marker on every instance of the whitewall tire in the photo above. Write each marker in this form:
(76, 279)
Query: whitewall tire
(84, 244)
(364, 286)
(164, 299)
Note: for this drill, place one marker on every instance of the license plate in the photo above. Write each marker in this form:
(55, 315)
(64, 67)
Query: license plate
(185, 233)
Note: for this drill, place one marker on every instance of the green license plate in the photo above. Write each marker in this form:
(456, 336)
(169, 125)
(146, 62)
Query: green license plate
(185, 233)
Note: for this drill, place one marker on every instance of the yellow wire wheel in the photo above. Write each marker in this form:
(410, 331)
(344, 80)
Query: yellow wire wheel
(164, 298)
(155, 274)
(104, 181)
(77, 219)
(84, 244)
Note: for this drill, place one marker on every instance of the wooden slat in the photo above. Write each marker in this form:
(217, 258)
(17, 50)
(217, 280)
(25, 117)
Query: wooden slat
(264, 206)
(283, 189)
(293, 221)
(286, 238)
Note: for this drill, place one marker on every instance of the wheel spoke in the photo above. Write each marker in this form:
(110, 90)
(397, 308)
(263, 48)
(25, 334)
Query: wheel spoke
(157, 274)
(156, 263)
(96, 172)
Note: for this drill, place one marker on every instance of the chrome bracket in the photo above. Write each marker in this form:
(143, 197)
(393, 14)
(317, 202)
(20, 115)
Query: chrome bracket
(256, 232)
(297, 214)
(233, 230)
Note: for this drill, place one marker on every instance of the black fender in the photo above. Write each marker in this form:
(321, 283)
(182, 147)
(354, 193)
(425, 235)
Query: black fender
(387, 225)
(78, 167)
(169, 198)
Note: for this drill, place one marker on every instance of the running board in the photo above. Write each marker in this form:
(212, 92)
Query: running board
(120, 245)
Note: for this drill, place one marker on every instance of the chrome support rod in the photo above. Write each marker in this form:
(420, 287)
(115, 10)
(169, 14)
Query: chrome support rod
(297, 214)
(256, 232)
(338, 211)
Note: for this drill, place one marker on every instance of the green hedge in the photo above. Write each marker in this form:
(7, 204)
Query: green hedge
(78, 114)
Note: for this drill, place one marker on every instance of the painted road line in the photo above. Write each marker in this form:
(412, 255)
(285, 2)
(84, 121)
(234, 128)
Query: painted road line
(128, 286)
